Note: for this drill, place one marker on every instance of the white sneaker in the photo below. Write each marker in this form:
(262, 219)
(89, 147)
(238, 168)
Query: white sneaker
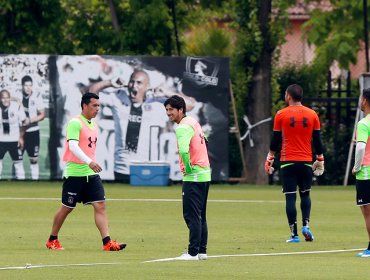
(187, 257)
(202, 257)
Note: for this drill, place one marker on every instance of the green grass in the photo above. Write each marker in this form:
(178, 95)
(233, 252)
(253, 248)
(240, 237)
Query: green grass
(155, 229)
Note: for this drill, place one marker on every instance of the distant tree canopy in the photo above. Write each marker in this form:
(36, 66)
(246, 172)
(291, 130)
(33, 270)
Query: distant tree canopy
(337, 33)
(141, 27)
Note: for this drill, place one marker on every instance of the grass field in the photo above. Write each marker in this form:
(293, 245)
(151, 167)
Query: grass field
(242, 219)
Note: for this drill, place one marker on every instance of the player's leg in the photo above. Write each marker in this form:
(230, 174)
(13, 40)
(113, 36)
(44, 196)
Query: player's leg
(32, 146)
(16, 156)
(304, 172)
(3, 150)
(93, 193)
(366, 213)
(204, 235)
(289, 180)
(192, 202)
(363, 200)
(70, 196)
(291, 213)
(101, 218)
(59, 219)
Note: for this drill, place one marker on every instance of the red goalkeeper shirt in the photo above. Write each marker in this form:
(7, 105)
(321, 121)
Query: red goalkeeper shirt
(296, 124)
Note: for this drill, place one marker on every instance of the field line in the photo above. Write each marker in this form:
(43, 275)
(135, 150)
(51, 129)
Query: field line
(265, 254)
(28, 266)
(152, 200)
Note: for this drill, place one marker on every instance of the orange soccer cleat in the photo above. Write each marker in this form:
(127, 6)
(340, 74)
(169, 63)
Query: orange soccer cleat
(54, 245)
(113, 245)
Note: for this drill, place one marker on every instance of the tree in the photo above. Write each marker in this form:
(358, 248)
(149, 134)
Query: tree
(260, 32)
(141, 27)
(31, 27)
(336, 33)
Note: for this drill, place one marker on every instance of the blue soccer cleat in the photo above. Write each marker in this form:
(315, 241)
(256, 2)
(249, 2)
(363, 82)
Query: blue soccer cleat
(307, 233)
(364, 254)
(293, 239)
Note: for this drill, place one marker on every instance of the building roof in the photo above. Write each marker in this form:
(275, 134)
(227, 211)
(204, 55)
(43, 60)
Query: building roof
(301, 10)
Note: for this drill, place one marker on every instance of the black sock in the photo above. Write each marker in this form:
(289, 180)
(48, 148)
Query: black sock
(368, 246)
(305, 207)
(53, 237)
(106, 240)
(291, 212)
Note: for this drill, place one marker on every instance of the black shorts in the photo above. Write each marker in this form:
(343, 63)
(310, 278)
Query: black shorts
(362, 192)
(32, 143)
(296, 174)
(12, 148)
(87, 189)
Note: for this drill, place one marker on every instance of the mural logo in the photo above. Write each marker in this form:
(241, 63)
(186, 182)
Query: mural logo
(202, 71)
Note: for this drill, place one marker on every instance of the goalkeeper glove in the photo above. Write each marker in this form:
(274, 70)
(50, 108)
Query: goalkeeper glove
(268, 164)
(117, 82)
(318, 166)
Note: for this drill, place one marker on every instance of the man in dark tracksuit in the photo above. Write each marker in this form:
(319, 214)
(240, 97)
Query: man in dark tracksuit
(195, 167)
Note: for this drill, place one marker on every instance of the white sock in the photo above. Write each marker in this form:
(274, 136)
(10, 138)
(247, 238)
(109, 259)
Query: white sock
(19, 170)
(34, 171)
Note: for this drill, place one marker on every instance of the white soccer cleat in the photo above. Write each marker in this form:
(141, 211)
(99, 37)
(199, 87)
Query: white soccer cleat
(202, 257)
(187, 257)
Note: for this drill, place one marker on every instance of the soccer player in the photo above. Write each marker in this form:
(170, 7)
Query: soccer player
(361, 167)
(35, 112)
(295, 127)
(82, 183)
(195, 167)
(12, 116)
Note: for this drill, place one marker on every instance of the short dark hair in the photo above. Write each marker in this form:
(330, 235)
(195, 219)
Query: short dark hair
(366, 95)
(295, 91)
(176, 102)
(86, 98)
(4, 90)
(26, 79)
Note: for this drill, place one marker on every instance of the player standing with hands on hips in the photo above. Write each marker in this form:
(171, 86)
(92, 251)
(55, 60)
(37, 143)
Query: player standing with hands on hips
(81, 181)
(295, 127)
(195, 167)
(361, 167)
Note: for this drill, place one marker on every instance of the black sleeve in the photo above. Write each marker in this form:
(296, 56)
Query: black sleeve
(317, 144)
(276, 141)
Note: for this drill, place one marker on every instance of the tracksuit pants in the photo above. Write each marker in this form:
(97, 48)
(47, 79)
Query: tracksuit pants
(194, 205)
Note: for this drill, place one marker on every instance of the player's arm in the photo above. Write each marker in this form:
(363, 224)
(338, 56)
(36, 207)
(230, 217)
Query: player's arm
(77, 151)
(317, 143)
(99, 86)
(22, 130)
(274, 147)
(359, 156)
(361, 138)
(184, 133)
(318, 167)
(40, 116)
(40, 109)
(22, 126)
